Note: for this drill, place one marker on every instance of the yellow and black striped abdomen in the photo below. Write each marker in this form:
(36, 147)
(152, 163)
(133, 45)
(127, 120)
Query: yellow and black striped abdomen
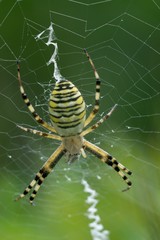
(67, 109)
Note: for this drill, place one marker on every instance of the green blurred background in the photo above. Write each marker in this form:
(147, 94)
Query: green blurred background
(122, 38)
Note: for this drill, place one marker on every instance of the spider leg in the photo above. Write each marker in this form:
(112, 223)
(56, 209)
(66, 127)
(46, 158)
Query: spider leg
(43, 173)
(97, 124)
(109, 160)
(97, 94)
(29, 105)
(42, 134)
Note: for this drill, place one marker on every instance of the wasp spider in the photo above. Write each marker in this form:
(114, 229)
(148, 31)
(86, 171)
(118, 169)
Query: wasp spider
(67, 112)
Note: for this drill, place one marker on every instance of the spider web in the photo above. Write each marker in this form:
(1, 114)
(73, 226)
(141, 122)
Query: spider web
(83, 200)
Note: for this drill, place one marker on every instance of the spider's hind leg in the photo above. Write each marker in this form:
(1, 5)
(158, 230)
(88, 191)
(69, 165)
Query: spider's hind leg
(29, 105)
(97, 93)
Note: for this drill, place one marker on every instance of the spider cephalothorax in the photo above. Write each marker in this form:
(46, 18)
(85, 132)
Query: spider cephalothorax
(68, 121)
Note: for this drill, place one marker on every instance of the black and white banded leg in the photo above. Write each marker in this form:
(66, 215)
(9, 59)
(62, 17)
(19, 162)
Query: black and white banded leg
(97, 93)
(97, 124)
(109, 160)
(42, 174)
(30, 106)
(40, 133)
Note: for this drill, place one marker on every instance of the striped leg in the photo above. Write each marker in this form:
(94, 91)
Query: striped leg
(29, 105)
(109, 160)
(41, 134)
(97, 94)
(97, 124)
(43, 173)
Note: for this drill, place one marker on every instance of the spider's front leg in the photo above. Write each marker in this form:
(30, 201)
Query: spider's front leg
(109, 160)
(43, 173)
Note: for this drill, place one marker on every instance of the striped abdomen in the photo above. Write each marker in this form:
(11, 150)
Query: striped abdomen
(67, 109)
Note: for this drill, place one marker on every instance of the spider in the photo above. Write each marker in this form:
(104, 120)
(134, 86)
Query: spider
(67, 113)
